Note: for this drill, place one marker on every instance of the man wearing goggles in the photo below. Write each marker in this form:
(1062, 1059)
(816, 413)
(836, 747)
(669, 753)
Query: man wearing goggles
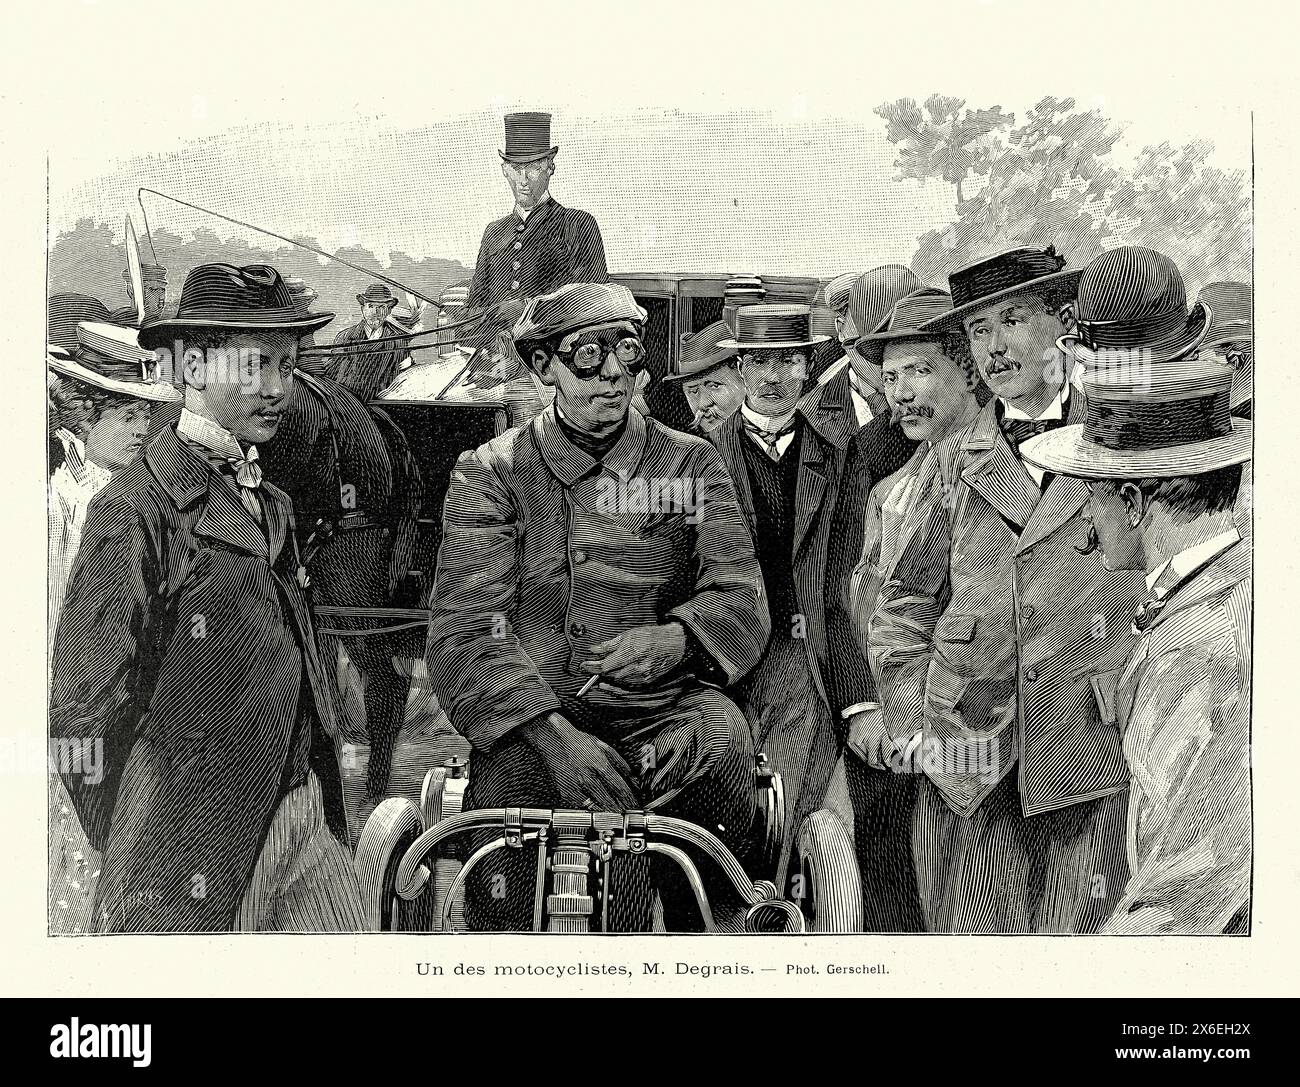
(577, 613)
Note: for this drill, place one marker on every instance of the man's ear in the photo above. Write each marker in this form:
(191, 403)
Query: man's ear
(1135, 502)
(195, 368)
(543, 366)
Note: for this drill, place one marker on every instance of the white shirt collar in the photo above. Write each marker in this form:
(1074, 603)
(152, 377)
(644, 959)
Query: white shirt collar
(212, 435)
(374, 333)
(1054, 410)
(1190, 558)
(523, 213)
(770, 423)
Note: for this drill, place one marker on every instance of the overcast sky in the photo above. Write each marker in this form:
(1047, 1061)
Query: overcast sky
(706, 139)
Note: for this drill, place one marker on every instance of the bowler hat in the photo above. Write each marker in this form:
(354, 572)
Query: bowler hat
(110, 357)
(910, 314)
(1000, 276)
(221, 296)
(774, 325)
(1145, 421)
(873, 297)
(702, 351)
(377, 292)
(65, 311)
(1132, 304)
(528, 137)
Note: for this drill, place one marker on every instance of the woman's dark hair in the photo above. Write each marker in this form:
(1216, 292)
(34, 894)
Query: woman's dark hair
(76, 407)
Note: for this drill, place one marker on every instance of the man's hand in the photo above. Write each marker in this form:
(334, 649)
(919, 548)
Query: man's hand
(640, 656)
(581, 768)
(868, 737)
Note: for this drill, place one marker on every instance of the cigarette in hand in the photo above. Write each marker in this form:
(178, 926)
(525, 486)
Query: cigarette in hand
(588, 685)
(695, 419)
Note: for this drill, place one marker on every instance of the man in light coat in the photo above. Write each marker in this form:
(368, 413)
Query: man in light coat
(1164, 508)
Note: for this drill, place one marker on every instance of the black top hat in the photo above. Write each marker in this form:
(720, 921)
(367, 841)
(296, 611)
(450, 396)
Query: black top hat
(1132, 304)
(528, 137)
(774, 325)
(65, 311)
(377, 292)
(221, 296)
(1144, 421)
(1001, 276)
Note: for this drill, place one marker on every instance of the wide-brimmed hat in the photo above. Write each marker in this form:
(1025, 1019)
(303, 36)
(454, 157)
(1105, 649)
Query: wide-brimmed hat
(377, 292)
(67, 310)
(576, 306)
(110, 357)
(702, 351)
(1229, 303)
(873, 297)
(528, 137)
(774, 325)
(909, 314)
(1143, 421)
(221, 296)
(1002, 275)
(1132, 306)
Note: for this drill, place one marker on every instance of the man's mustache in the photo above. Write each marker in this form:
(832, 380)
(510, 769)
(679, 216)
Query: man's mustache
(916, 411)
(1092, 544)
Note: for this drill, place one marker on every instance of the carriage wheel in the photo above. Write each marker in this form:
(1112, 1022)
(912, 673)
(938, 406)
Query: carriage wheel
(388, 833)
(832, 888)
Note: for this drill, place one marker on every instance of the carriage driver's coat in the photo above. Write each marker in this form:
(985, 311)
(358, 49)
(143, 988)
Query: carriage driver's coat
(185, 646)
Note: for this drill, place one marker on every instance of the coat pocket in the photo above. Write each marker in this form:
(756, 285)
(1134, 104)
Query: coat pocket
(1105, 687)
(956, 628)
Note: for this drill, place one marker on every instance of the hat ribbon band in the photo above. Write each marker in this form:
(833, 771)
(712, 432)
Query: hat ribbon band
(1125, 424)
(117, 370)
(1151, 331)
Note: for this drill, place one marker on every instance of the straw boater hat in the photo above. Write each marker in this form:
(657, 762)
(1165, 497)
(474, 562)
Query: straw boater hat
(774, 325)
(1132, 305)
(1001, 276)
(528, 137)
(905, 321)
(67, 310)
(221, 296)
(110, 357)
(702, 351)
(1145, 421)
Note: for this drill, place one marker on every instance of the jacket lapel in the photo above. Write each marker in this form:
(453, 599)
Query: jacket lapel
(1065, 496)
(811, 485)
(727, 439)
(828, 410)
(224, 518)
(995, 472)
(277, 508)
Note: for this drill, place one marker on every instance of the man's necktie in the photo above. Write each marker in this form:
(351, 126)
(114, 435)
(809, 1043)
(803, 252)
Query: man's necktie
(769, 438)
(1017, 430)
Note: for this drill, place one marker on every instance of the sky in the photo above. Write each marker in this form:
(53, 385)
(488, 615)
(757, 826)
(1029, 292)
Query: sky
(700, 143)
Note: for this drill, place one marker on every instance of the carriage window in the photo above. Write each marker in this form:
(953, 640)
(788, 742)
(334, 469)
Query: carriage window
(704, 312)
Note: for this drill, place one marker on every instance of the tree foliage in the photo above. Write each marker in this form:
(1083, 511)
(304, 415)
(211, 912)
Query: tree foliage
(1052, 179)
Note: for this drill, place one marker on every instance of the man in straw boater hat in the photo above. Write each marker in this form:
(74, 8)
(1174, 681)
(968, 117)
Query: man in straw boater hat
(153, 278)
(930, 383)
(786, 449)
(992, 626)
(1162, 459)
(710, 377)
(596, 590)
(100, 396)
(220, 805)
(541, 245)
(366, 370)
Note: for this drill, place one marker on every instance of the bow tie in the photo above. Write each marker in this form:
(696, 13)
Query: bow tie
(248, 473)
(769, 438)
(1149, 611)
(1018, 430)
